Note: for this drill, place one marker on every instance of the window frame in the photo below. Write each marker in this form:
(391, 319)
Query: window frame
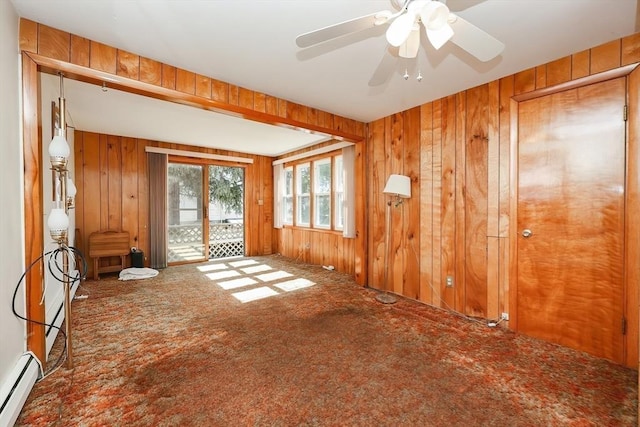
(296, 166)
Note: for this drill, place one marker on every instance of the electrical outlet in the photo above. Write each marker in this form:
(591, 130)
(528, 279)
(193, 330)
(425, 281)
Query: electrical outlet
(505, 316)
(449, 281)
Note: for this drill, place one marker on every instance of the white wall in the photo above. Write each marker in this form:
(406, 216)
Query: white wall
(11, 192)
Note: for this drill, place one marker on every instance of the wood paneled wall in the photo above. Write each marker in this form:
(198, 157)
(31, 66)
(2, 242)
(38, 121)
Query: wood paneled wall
(113, 190)
(457, 222)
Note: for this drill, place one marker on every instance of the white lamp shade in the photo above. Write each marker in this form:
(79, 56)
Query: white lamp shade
(59, 147)
(399, 185)
(58, 220)
(434, 16)
(71, 188)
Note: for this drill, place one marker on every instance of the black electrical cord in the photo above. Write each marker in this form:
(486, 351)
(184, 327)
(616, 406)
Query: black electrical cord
(82, 274)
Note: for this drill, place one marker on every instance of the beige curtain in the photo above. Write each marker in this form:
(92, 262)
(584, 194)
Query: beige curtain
(157, 209)
(348, 164)
(278, 193)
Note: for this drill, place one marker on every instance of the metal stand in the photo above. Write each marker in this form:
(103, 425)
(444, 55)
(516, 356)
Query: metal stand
(386, 297)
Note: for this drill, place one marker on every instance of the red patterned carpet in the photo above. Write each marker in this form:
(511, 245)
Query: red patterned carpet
(307, 347)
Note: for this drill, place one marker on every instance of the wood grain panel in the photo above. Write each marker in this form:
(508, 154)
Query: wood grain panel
(143, 200)
(234, 94)
(580, 64)
(260, 102)
(376, 166)
(168, 76)
(506, 92)
(525, 81)
(630, 49)
(461, 156)
(271, 104)
(219, 90)
(185, 81)
(397, 250)
(103, 57)
(129, 189)
(103, 162)
(245, 98)
(448, 198)
(282, 108)
(78, 180)
(426, 202)
(411, 286)
(203, 86)
(436, 285)
(493, 199)
(128, 64)
(605, 57)
(150, 71)
(28, 35)
(559, 71)
(114, 173)
(476, 178)
(53, 43)
(91, 181)
(80, 51)
(541, 76)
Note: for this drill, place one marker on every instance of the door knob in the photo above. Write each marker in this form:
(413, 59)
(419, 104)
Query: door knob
(526, 232)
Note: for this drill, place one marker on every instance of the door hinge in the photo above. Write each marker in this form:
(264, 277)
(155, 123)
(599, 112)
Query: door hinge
(625, 113)
(624, 326)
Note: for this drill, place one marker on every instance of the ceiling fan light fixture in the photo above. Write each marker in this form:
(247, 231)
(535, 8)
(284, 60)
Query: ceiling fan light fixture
(409, 49)
(435, 18)
(400, 29)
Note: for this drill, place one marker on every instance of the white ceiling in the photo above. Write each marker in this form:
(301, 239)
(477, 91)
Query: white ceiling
(251, 43)
(114, 112)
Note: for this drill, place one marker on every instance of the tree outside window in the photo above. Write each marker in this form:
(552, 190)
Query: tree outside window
(303, 192)
(287, 200)
(322, 193)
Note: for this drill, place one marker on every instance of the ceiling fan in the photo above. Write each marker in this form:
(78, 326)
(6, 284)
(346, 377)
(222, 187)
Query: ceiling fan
(404, 29)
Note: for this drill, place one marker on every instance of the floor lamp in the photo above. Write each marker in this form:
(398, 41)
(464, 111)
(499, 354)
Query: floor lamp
(58, 221)
(400, 187)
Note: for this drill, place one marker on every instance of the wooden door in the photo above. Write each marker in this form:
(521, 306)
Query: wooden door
(571, 184)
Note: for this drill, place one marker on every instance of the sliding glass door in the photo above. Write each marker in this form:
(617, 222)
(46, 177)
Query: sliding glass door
(185, 213)
(205, 211)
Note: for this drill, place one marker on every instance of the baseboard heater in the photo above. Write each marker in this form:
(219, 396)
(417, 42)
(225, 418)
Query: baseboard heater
(16, 389)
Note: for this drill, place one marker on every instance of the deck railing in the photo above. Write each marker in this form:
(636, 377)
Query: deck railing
(225, 240)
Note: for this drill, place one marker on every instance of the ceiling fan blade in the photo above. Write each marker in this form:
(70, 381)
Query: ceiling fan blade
(477, 42)
(347, 27)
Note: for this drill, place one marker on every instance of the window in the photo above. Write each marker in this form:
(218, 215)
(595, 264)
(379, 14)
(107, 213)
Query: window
(338, 193)
(322, 193)
(315, 192)
(287, 198)
(303, 194)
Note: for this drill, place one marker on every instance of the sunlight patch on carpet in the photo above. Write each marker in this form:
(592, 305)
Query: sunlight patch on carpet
(222, 274)
(212, 267)
(256, 269)
(254, 294)
(292, 285)
(276, 275)
(243, 263)
(237, 283)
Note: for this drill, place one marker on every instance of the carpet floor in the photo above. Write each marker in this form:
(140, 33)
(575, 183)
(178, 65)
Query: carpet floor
(266, 341)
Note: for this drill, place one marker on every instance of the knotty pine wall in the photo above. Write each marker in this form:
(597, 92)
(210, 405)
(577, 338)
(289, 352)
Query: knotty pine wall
(113, 190)
(457, 222)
